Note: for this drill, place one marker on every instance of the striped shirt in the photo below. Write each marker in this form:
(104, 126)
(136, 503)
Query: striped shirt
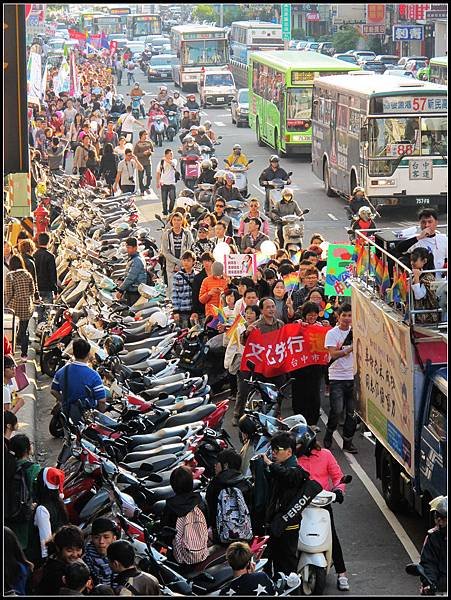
(82, 382)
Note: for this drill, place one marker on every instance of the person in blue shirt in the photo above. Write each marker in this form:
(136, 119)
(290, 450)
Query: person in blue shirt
(135, 273)
(76, 381)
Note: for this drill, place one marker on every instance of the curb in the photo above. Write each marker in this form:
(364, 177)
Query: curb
(26, 416)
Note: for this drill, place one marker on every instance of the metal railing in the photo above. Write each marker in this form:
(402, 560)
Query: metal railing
(406, 309)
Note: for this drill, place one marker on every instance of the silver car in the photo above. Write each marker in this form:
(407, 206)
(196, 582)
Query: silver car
(240, 107)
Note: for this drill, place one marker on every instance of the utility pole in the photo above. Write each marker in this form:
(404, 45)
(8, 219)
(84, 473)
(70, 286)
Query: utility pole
(221, 15)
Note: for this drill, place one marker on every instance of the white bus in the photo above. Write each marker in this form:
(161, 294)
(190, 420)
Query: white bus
(197, 47)
(385, 134)
(253, 36)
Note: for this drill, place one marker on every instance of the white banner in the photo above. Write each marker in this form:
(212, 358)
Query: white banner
(240, 265)
(34, 78)
(62, 79)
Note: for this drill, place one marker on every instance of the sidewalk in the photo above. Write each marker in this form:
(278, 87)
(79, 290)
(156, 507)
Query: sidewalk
(27, 414)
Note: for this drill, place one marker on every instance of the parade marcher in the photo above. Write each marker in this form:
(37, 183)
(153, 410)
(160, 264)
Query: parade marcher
(207, 261)
(308, 280)
(26, 251)
(135, 273)
(175, 241)
(274, 171)
(81, 155)
(433, 557)
(424, 296)
(129, 580)
(125, 176)
(127, 121)
(212, 288)
(182, 290)
(254, 212)
(108, 165)
(109, 136)
(17, 568)
(283, 301)
(221, 216)
(167, 175)
(55, 155)
(203, 243)
(252, 241)
(9, 371)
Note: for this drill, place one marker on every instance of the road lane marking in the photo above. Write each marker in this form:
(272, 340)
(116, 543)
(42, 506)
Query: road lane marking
(219, 123)
(331, 216)
(391, 518)
(258, 189)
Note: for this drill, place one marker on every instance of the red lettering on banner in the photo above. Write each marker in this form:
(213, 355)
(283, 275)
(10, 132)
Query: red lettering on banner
(291, 347)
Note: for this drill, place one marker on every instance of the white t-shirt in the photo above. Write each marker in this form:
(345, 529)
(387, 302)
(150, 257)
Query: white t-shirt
(6, 393)
(42, 522)
(167, 175)
(127, 121)
(341, 369)
(438, 245)
(126, 169)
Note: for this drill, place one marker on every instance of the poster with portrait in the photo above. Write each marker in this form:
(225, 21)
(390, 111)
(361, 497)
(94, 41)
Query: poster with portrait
(384, 380)
(240, 265)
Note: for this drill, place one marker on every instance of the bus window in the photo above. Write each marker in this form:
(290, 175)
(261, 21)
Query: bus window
(437, 414)
(434, 135)
(204, 52)
(394, 136)
(299, 104)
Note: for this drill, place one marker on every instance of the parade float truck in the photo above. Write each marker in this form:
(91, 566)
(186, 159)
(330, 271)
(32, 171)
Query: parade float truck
(400, 364)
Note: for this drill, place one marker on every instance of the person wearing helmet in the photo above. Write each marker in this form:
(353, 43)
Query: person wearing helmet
(356, 201)
(229, 191)
(178, 100)
(189, 148)
(322, 466)
(433, 557)
(209, 131)
(364, 220)
(237, 157)
(186, 122)
(163, 94)
(207, 174)
(202, 138)
(214, 163)
(135, 273)
(287, 205)
(274, 171)
(191, 102)
(137, 92)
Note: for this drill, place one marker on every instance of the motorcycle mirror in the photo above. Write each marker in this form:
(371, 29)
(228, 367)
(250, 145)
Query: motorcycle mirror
(305, 211)
(219, 137)
(290, 173)
(250, 161)
(346, 479)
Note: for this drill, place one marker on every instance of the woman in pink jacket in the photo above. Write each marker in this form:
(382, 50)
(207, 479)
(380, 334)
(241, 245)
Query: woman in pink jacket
(323, 468)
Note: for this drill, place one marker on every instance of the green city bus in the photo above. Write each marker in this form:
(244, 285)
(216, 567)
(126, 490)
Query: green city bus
(280, 96)
(438, 70)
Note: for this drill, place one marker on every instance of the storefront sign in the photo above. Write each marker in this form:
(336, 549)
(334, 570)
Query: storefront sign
(408, 33)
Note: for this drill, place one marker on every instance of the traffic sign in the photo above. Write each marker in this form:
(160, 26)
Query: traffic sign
(286, 22)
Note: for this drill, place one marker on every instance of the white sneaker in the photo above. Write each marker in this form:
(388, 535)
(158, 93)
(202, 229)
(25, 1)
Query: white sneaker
(343, 583)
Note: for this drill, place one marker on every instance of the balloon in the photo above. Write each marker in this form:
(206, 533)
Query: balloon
(268, 248)
(220, 250)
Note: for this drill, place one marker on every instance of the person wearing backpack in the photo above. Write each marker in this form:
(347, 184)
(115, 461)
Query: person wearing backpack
(16, 568)
(50, 513)
(228, 497)
(187, 513)
(129, 580)
(20, 446)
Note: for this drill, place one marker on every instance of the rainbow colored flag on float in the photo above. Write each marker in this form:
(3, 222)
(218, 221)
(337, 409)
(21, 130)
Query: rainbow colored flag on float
(400, 286)
(295, 259)
(219, 318)
(291, 281)
(233, 331)
(385, 284)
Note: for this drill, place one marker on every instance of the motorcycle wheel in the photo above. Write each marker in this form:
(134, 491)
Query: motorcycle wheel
(56, 427)
(159, 140)
(50, 361)
(313, 580)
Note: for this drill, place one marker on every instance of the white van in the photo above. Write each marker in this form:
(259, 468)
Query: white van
(216, 87)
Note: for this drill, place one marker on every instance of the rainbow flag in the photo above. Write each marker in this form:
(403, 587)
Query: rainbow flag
(378, 269)
(360, 263)
(385, 284)
(295, 259)
(400, 286)
(261, 259)
(219, 317)
(291, 281)
(232, 332)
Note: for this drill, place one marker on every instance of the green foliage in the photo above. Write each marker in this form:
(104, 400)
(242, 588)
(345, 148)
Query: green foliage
(204, 12)
(298, 34)
(346, 39)
(375, 44)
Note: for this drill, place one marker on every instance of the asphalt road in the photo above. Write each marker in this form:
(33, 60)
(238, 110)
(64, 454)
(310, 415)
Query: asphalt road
(376, 544)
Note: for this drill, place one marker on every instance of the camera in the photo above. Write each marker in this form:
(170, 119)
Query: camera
(131, 180)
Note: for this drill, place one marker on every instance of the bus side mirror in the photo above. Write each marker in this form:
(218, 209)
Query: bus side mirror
(363, 134)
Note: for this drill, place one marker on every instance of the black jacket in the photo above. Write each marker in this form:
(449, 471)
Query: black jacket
(52, 577)
(226, 479)
(198, 307)
(286, 481)
(45, 270)
(30, 267)
(229, 194)
(433, 557)
(180, 505)
(268, 175)
(207, 176)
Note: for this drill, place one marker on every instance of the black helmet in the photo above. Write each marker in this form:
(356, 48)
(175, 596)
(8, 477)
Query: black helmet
(214, 162)
(305, 439)
(247, 425)
(114, 344)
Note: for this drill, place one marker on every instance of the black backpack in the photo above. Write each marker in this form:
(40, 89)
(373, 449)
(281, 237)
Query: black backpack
(21, 501)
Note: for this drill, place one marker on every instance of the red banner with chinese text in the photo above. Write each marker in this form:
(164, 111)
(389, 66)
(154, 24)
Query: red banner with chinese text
(291, 347)
(76, 35)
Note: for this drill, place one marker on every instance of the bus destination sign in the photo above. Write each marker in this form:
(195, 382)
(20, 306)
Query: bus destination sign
(415, 104)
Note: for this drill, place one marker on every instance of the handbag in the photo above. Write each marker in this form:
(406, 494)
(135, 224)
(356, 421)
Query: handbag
(21, 378)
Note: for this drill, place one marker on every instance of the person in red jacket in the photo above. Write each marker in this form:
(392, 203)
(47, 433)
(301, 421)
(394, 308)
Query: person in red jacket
(322, 467)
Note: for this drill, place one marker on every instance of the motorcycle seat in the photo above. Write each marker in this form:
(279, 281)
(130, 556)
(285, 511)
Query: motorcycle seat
(134, 356)
(148, 342)
(140, 455)
(183, 405)
(163, 434)
(152, 464)
(176, 439)
(170, 388)
(221, 573)
(192, 415)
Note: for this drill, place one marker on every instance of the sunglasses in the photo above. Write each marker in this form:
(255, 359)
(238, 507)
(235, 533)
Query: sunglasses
(220, 205)
(278, 449)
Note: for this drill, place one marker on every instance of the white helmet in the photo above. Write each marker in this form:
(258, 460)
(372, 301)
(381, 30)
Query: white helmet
(358, 189)
(163, 88)
(220, 174)
(287, 192)
(364, 210)
(159, 318)
(188, 138)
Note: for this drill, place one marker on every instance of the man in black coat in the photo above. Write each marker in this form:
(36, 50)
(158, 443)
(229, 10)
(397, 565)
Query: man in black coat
(45, 271)
(433, 555)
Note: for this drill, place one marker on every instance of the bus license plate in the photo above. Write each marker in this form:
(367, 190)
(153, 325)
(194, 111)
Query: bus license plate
(423, 200)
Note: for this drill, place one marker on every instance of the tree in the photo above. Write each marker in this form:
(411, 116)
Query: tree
(298, 34)
(204, 12)
(375, 44)
(346, 39)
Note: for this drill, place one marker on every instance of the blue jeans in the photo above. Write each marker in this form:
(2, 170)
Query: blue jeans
(147, 171)
(341, 396)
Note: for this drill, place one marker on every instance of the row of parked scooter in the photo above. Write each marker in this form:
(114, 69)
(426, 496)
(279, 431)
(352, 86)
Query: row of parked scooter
(161, 411)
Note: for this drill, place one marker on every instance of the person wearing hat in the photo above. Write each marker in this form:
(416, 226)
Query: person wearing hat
(104, 531)
(286, 206)
(212, 288)
(202, 138)
(135, 273)
(356, 201)
(237, 157)
(274, 171)
(364, 220)
(191, 102)
(229, 191)
(433, 557)
(203, 243)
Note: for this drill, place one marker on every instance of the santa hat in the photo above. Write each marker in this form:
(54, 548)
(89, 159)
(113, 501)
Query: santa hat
(54, 479)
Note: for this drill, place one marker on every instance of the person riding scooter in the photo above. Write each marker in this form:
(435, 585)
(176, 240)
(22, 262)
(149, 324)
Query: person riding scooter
(209, 131)
(118, 107)
(356, 201)
(286, 206)
(364, 220)
(163, 94)
(189, 147)
(207, 174)
(274, 171)
(155, 110)
(178, 100)
(137, 92)
(237, 157)
(229, 191)
(202, 138)
(191, 102)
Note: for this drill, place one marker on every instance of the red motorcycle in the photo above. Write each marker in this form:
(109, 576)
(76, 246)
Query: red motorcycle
(191, 170)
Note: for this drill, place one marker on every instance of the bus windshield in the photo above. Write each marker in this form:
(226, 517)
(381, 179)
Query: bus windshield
(215, 79)
(204, 52)
(299, 104)
(146, 27)
(434, 135)
(393, 136)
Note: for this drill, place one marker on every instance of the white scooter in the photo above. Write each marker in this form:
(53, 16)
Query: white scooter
(240, 172)
(315, 543)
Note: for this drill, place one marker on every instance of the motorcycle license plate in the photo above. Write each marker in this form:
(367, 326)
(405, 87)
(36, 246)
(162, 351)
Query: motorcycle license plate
(220, 99)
